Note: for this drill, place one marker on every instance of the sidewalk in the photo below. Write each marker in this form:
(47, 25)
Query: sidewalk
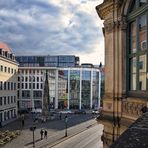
(26, 137)
(60, 135)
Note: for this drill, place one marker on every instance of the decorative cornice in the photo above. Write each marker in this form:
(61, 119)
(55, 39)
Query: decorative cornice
(107, 7)
(109, 25)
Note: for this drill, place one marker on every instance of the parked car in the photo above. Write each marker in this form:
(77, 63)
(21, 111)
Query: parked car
(37, 110)
(80, 111)
(95, 111)
(66, 111)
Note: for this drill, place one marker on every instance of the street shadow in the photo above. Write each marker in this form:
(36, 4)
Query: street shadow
(55, 124)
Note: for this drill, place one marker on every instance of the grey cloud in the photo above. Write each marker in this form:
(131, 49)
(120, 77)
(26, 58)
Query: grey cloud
(35, 27)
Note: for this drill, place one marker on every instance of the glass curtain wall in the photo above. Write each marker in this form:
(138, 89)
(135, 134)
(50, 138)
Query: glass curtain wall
(95, 89)
(86, 88)
(74, 89)
(62, 89)
(138, 55)
(52, 83)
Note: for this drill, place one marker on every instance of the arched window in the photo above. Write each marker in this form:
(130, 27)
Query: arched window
(138, 47)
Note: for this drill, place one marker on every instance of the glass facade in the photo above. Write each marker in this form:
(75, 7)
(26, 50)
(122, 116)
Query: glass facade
(62, 89)
(48, 61)
(138, 51)
(72, 88)
(95, 88)
(86, 85)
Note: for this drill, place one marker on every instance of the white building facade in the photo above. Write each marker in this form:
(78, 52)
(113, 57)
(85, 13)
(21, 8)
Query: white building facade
(72, 88)
(8, 85)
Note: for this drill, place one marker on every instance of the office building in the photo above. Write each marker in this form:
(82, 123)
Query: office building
(48, 61)
(69, 87)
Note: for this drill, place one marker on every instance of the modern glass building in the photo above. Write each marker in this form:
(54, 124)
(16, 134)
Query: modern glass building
(48, 61)
(73, 88)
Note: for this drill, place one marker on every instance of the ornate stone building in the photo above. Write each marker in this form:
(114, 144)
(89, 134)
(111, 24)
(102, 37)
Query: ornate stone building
(8, 85)
(126, 64)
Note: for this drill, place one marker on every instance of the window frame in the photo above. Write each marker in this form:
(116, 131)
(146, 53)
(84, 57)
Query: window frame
(134, 16)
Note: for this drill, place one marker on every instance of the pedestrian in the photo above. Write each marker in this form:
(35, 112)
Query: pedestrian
(60, 116)
(41, 133)
(45, 134)
(23, 120)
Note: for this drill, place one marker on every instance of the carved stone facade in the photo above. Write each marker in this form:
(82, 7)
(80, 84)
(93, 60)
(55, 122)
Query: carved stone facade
(119, 109)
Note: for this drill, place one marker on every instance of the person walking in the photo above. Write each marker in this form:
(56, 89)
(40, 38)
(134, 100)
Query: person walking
(45, 134)
(23, 120)
(41, 133)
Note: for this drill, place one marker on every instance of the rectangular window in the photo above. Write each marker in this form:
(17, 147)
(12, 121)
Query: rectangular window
(1, 116)
(8, 100)
(11, 85)
(14, 99)
(11, 99)
(26, 85)
(37, 86)
(133, 81)
(133, 37)
(143, 32)
(5, 69)
(8, 69)
(4, 85)
(142, 81)
(22, 85)
(25, 94)
(1, 68)
(29, 85)
(5, 101)
(37, 94)
(1, 101)
(1, 85)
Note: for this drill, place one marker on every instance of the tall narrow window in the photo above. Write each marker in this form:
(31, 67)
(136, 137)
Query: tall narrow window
(138, 51)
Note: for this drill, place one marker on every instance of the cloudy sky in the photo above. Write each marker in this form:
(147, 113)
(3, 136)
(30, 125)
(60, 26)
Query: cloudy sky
(53, 27)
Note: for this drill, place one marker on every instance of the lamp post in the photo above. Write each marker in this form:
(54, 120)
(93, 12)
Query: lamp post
(66, 120)
(33, 129)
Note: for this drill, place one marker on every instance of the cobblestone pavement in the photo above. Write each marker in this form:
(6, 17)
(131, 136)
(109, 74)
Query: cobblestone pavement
(56, 131)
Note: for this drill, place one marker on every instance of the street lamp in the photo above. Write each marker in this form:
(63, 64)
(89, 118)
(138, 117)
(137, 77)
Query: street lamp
(33, 129)
(66, 120)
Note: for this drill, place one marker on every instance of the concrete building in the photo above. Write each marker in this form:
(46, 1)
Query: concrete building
(73, 87)
(8, 85)
(126, 64)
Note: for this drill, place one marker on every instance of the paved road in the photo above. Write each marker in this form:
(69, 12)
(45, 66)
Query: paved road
(89, 138)
(56, 130)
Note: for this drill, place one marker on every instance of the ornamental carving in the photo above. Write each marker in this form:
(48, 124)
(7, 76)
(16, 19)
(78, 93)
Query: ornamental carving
(132, 108)
(107, 7)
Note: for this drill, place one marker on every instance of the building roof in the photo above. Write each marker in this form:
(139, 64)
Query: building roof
(135, 136)
(5, 47)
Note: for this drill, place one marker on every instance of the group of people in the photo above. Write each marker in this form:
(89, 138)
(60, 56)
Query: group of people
(43, 134)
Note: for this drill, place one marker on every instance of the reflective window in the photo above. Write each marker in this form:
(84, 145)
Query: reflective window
(138, 52)
(133, 48)
(86, 81)
(63, 88)
(74, 88)
(143, 32)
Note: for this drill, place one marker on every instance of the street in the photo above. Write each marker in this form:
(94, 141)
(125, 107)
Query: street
(56, 130)
(90, 138)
